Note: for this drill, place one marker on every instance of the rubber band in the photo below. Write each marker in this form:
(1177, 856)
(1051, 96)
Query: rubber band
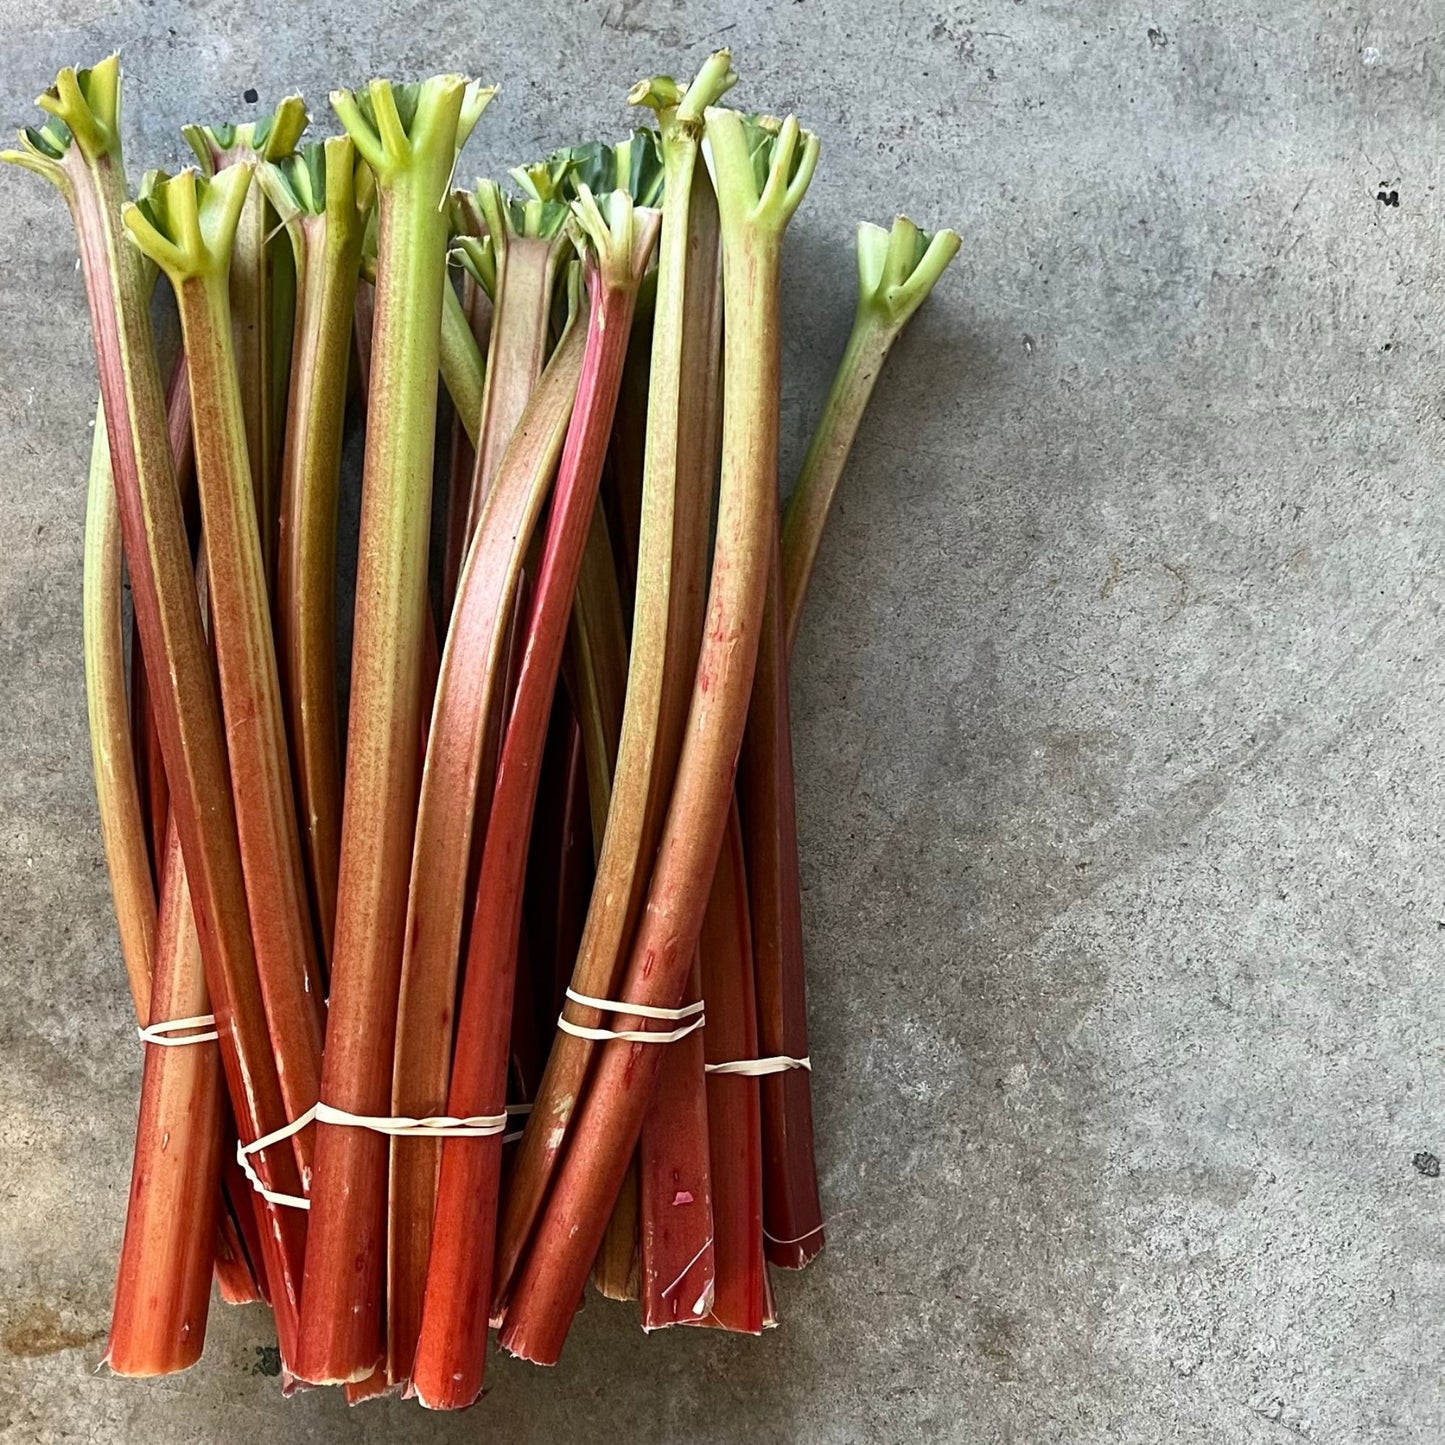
(701, 1304)
(629, 1036)
(756, 1068)
(159, 1034)
(436, 1126)
(693, 1012)
(637, 1010)
(783, 1243)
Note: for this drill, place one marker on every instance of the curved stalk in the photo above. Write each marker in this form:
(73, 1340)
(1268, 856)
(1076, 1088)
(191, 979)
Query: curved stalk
(451, 1350)
(122, 828)
(455, 802)
(410, 137)
(79, 152)
(548, 1288)
(896, 271)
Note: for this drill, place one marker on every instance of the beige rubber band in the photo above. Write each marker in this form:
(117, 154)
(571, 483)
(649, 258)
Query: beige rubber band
(756, 1068)
(690, 1011)
(160, 1034)
(436, 1126)
(637, 1010)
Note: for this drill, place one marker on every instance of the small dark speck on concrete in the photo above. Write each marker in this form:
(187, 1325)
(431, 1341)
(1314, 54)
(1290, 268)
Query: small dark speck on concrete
(268, 1361)
(1157, 38)
(1388, 198)
(1427, 1164)
(250, 96)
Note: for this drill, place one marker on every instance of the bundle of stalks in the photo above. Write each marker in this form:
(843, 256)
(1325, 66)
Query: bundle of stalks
(504, 990)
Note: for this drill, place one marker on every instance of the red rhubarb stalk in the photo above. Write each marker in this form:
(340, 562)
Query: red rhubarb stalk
(548, 1289)
(185, 225)
(741, 1299)
(163, 1282)
(150, 769)
(80, 154)
(644, 769)
(451, 1350)
(675, 1187)
(410, 136)
(323, 198)
(456, 792)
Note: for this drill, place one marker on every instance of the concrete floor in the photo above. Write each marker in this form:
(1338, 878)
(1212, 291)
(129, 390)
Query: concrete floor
(1120, 729)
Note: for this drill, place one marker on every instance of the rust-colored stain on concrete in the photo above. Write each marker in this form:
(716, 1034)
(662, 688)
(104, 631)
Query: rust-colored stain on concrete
(38, 1330)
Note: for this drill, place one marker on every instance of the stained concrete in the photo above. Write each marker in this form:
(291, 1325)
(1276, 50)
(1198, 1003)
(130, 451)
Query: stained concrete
(1119, 730)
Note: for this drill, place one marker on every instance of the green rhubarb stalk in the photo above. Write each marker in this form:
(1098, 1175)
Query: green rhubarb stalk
(525, 244)
(185, 224)
(258, 313)
(454, 805)
(410, 136)
(122, 828)
(896, 271)
(463, 369)
(79, 152)
(323, 198)
(643, 768)
(616, 240)
(761, 179)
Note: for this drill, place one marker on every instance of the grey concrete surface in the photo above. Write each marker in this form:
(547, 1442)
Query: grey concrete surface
(1119, 708)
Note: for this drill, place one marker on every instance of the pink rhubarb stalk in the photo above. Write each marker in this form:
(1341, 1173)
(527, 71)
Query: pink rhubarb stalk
(742, 1300)
(451, 1351)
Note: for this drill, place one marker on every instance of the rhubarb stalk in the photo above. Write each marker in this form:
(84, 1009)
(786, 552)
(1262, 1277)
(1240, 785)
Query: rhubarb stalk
(741, 1299)
(323, 198)
(642, 776)
(258, 340)
(410, 136)
(548, 1288)
(525, 244)
(185, 224)
(451, 1350)
(163, 1282)
(122, 828)
(896, 271)
(456, 796)
(79, 152)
